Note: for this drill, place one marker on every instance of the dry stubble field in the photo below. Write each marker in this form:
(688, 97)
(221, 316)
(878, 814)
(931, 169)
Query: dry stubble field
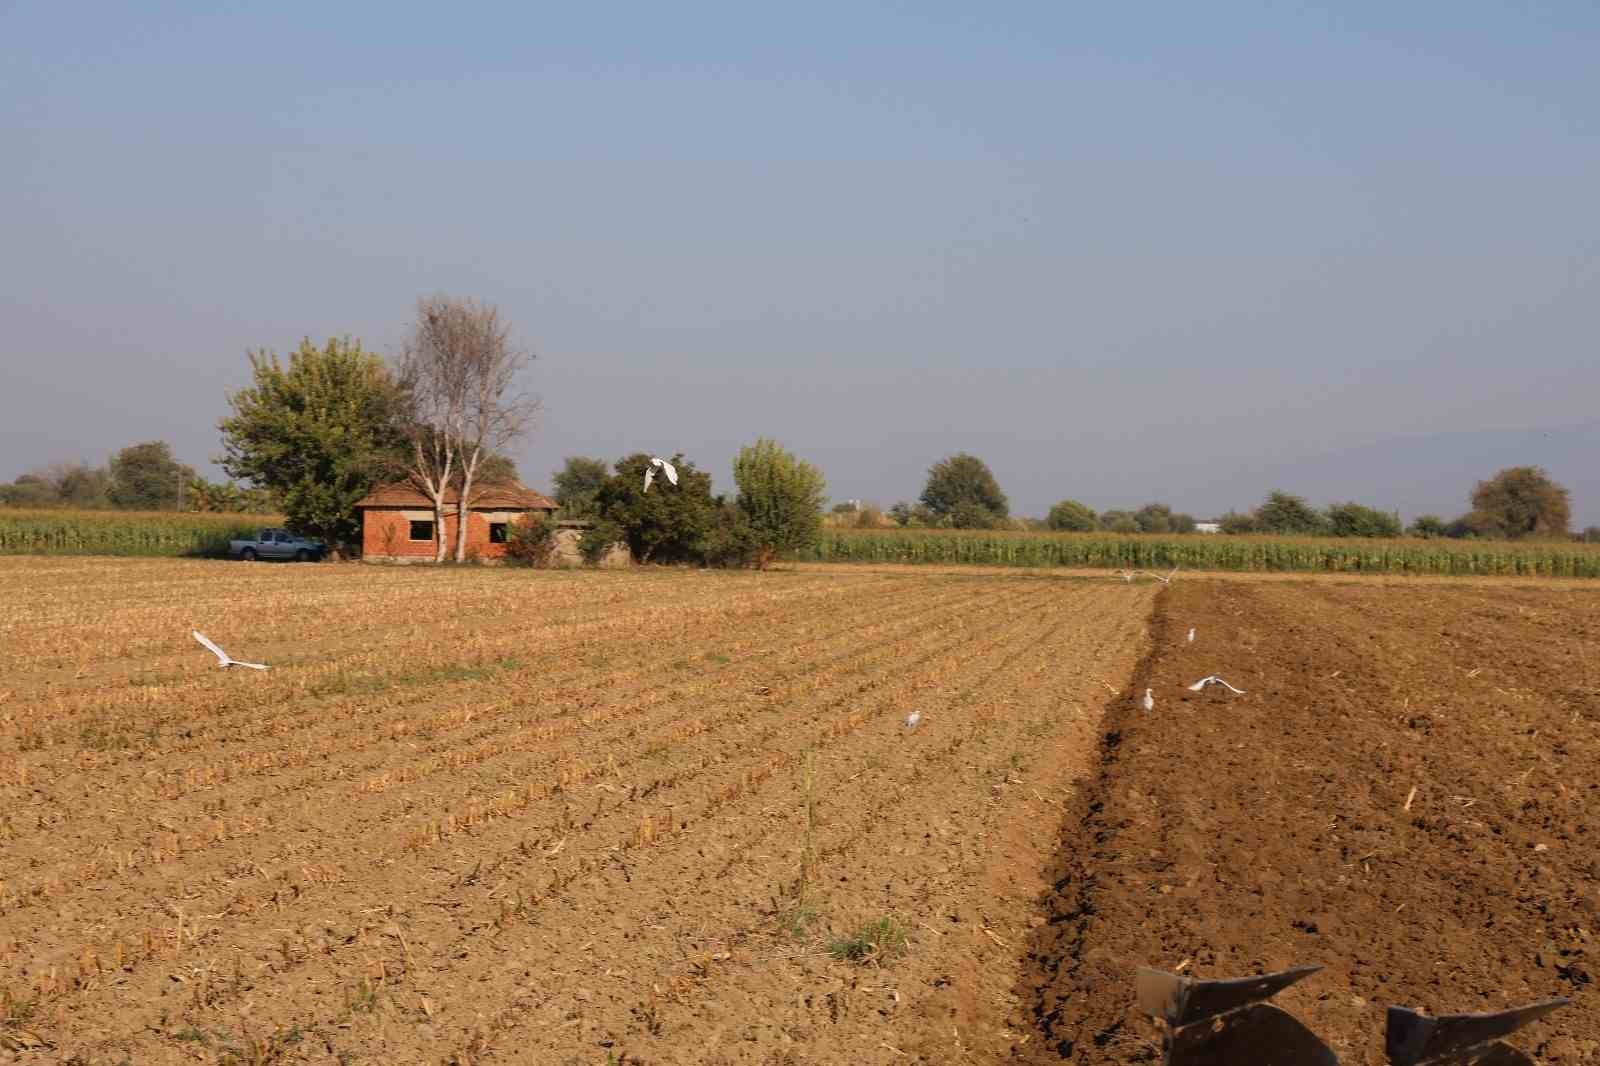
(487, 815)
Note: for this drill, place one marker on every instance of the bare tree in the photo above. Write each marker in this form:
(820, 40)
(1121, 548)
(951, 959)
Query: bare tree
(460, 367)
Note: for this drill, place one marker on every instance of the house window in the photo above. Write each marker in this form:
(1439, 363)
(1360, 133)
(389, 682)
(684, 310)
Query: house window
(497, 532)
(421, 530)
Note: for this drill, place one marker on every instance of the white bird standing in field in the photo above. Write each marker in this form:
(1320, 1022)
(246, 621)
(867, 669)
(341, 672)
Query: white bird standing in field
(223, 659)
(1127, 575)
(1213, 679)
(1149, 700)
(1191, 634)
(912, 719)
(656, 462)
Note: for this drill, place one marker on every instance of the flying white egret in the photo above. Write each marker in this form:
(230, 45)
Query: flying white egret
(1213, 679)
(1164, 580)
(912, 719)
(656, 462)
(1149, 700)
(223, 660)
(1191, 634)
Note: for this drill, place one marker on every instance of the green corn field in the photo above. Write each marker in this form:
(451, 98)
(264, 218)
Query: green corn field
(67, 532)
(1205, 552)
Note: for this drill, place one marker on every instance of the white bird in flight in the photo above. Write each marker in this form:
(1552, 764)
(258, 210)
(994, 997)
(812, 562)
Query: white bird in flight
(912, 719)
(223, 660)
(1191, 634)
(1213, 679)
(656, 462)
(1149, 701)
(1164, 580)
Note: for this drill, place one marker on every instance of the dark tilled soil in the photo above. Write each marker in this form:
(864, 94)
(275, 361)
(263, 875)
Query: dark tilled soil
(1241, 834)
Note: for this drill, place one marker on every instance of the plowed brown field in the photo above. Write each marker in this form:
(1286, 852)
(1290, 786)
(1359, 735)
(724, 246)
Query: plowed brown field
(1408, 793)
(486, 815)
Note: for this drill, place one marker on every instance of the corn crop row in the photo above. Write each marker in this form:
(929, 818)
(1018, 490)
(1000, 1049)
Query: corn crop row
(50, 532)
(1205, 552)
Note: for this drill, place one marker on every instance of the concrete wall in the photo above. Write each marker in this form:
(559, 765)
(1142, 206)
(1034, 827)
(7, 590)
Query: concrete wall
(567, 555)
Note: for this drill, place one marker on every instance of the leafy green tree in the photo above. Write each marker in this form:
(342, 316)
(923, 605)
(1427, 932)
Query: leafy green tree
(1354, 520)
(668, 524)
(781, 498)
(970, 514)
(318, 433)
(577, 483)
(1590, 535)
(731, 539)
(963, 479)
(1070, 516)
(145, 477)
(1182, 523)
(497, 469)
(1153, 518)
(1286, 513)
(1460, 528)
(1520, 501)
(1237, 522)
(29, 490)
(1428, 526)
(1118, 521)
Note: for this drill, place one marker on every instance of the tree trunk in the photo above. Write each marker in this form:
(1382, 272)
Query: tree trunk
(469, 468)
(438, 528)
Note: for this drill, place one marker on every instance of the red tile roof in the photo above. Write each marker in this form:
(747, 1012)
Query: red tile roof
(505, 496)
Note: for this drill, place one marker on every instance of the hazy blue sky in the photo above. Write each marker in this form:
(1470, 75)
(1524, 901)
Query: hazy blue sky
(1123, 251)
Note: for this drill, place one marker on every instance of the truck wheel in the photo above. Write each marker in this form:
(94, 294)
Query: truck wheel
(302, 556)
(248, 555)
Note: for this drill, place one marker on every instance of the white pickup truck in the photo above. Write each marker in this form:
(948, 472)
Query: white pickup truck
(277, 544)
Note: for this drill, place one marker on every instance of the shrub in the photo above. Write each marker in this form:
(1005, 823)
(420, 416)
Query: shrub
(531, 541)
(1428, 526)
(1119, 522)
(1283, 512)
(1070, 516)
(1153, 518)
(599, 538)
(969, 514)
(1354, 520)
(733, 541)
(1236, 522)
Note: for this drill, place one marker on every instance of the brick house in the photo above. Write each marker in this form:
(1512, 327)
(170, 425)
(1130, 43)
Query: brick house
(397, 520)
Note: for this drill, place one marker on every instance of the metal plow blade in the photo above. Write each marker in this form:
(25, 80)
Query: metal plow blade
(1414, 1039)
(1228, 1023)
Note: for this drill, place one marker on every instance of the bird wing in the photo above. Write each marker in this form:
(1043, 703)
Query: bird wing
(649, 476)
(221, 655)
(1227, 686)
(253, 666)
(670, 470)
(1202, 683)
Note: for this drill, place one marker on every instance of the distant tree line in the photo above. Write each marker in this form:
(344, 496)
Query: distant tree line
(140, 477)
(1517, 503)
